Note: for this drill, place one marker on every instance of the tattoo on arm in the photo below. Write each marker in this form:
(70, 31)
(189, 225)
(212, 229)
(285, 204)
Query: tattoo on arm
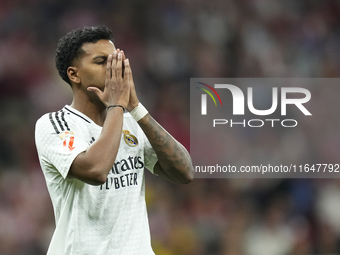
(172, 156)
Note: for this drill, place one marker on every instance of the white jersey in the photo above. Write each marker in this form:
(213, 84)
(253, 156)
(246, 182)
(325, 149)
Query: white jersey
(108, 219)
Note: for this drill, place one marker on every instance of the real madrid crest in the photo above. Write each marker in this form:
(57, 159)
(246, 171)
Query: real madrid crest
(130, 139)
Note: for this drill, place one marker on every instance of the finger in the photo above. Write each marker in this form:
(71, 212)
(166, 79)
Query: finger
(95, 90)
(108, 68)
(119, 66)
(123, 59)
(123, 55)
(127, 70)
(113, 65)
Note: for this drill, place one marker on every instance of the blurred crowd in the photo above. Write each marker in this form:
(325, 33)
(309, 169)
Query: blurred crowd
(167, 42)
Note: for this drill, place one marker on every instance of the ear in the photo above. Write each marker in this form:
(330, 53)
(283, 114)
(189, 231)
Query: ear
(72, 73)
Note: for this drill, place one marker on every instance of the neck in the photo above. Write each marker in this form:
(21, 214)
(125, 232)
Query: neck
(92, 108)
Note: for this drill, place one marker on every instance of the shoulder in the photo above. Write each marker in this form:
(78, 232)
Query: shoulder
(45, 131)
(53, 122)
(44, 122)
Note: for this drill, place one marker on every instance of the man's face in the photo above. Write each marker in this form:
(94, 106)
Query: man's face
(92, 65)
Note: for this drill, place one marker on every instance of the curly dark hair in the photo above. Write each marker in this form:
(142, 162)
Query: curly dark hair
(70, 46)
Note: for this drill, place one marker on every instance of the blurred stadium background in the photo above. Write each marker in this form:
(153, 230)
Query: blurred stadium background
(167, 42)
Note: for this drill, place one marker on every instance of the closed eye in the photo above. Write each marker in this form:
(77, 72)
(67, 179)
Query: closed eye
(101, 62)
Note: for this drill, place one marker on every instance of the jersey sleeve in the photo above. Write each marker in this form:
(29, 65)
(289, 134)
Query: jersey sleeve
(150, 156)
(57, 146)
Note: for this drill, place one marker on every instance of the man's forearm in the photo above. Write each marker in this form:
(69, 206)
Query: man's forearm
(173, 158)
(93, 165)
